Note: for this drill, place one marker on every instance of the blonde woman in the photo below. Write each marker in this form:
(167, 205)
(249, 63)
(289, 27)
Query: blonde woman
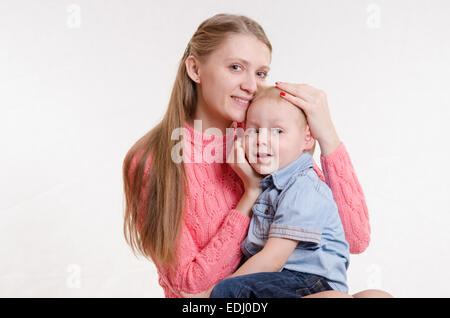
(190, 216)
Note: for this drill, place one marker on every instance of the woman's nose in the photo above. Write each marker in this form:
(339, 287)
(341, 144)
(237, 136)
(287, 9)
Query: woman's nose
(249, 84)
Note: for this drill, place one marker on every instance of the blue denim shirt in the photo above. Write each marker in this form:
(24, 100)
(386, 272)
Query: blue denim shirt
(295, 204)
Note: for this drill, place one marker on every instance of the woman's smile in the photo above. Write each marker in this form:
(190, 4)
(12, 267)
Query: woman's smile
(243, 102)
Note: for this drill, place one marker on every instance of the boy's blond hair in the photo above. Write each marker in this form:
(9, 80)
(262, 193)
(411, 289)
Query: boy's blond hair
(272, 93)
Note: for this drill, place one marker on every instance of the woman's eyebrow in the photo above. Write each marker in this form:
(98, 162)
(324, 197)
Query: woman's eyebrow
(266, 67)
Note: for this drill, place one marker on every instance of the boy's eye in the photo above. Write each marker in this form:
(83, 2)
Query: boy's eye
(262, 74)
(252, 130)
(277, 130)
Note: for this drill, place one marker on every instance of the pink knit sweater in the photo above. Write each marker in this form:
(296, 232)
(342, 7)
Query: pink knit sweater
(213, 229)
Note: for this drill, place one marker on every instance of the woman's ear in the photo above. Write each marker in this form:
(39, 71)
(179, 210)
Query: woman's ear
(192, 69)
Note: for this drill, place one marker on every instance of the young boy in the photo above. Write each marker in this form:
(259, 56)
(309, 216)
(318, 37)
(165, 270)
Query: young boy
(295, 244)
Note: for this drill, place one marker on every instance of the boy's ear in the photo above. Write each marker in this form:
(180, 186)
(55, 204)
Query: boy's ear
(311, 151)
(310, 142)
(192, 69)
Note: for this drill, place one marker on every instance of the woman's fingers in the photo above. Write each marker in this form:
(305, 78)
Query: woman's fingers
(237, 154)
(314, 103)
(238, 162)
(203, 294)
(297, 101)
(302, 91)
(237, 149)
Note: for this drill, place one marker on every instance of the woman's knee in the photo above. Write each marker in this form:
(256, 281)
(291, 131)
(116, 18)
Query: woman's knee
(370, 293)
(329, 294)
(373, 293)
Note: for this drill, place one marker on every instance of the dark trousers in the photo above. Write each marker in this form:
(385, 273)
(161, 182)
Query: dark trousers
(284, 284)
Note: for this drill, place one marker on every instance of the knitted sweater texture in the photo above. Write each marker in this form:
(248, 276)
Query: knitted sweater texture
(212, 230)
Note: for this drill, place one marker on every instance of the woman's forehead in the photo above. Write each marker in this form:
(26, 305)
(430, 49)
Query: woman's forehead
(244, 48)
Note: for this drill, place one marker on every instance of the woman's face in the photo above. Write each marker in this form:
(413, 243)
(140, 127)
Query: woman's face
(229, 77)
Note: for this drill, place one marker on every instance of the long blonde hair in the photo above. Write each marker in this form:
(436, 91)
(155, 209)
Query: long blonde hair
(155, 199)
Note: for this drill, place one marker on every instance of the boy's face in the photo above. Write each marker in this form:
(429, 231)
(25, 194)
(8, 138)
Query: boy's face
(276, 135)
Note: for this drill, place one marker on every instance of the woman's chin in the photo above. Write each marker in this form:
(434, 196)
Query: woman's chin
(237, 115)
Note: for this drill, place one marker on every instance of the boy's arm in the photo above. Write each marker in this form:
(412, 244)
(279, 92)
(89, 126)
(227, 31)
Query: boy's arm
(271, 258)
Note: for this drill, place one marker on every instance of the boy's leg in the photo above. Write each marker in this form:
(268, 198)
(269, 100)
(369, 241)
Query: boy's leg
(284, 284)
(258, 285)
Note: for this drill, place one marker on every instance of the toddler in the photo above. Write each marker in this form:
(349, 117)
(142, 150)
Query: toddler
(295, 244)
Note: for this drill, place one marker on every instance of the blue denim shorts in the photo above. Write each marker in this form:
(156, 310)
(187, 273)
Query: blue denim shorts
(284, 284)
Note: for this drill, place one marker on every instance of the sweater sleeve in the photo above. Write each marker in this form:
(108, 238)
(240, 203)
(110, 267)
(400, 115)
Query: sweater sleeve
(198, 269)
(340, 176)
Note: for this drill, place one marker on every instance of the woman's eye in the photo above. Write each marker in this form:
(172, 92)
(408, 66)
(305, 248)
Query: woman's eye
(235, 67)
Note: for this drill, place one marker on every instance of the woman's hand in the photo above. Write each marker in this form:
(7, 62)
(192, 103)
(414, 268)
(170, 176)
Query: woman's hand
(315, 105)
(203, 294)
(238, 162)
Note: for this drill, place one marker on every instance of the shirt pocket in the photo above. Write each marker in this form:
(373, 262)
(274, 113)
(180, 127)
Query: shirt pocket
(262, 219)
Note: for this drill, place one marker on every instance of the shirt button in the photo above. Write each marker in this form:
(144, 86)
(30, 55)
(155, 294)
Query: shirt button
(267, 212)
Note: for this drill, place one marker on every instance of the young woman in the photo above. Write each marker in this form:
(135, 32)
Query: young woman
(190, 217)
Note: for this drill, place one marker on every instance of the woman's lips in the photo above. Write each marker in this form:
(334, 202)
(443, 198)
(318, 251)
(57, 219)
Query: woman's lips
(240, 101)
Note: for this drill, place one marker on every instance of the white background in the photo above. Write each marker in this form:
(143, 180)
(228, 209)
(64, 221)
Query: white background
(80, 84)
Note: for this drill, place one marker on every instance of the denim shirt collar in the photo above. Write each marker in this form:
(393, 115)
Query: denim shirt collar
(281, 177)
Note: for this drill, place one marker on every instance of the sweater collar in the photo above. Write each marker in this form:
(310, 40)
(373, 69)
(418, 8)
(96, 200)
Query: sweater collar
(200, 139)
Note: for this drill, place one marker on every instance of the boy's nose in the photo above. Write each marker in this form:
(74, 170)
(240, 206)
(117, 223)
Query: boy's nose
(263, 137)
